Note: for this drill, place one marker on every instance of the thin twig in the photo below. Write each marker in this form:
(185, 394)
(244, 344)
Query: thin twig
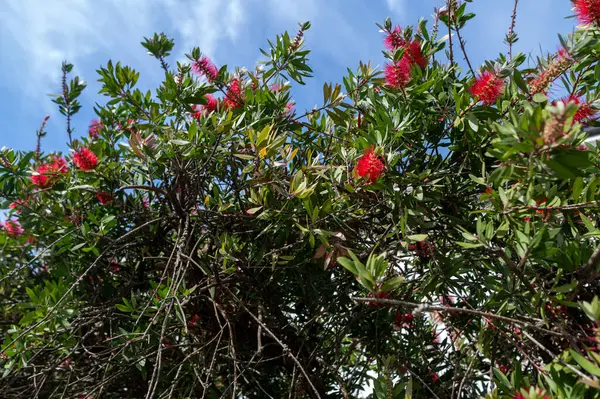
(511, 30)
(428, 307)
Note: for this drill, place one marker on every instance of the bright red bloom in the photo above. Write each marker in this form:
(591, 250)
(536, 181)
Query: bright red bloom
(370, 166)
(59, 165)
(487, 88)
(422, 248)
(518, 395)
(588, 11)
(289, 108)
(85, 159)
(13, 228)
(584, 110)
(41, 176)
(414, 54)
(95, 127)
(434, 376)
(205, 67)
(211, 103)
(104, 197)
(403, 320)
(234, 98)
(394, 40)
(380, 295)
(397, 75)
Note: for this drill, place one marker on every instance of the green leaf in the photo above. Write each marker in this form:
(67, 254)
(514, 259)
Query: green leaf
(348, 264)
(179, 142)
(540, 98)
(417, 237)
(586, 364)
(392, 284)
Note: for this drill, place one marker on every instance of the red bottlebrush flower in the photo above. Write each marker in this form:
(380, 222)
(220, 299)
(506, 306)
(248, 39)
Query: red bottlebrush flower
(588, 11)
(59, 165)
(487, 88)
(41, 176)
(194, 322)
(423, 249)
(397, 75)
(32, 241)
(211, 103)
(503, 369)
(403, 320)
(205, 67)
(434, 376)
(234, 98)
(13, 228)
(370, 166)
(197, 111)
(17, 204)
(85, 159)
(394, 40)
(413, 51)
(94, 129)
(104, 197)
(582, 147)
(114, 265)
(584, 110)
(527, 219)
(518, 395)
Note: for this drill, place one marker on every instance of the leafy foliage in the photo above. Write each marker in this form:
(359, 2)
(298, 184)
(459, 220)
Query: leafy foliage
(236, 250)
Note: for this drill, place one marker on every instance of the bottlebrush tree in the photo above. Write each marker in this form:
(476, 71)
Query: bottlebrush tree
(428, 231)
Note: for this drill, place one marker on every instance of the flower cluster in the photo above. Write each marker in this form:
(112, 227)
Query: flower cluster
(398, 74)
(423, 249)
(94, 129)
(403, 320)
(588, 11)
(205, 67)
(13, 228)
(370, 166)
(45, 174)
(85, 159)
(487, 88)
(104, 198)
(211, 106)
(234, 97)
(540, 84)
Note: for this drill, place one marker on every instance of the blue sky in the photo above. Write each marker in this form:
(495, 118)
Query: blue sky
(37, 35)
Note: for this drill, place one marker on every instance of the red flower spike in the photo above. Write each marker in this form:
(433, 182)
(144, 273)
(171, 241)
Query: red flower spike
(211, 103)
(487, 88)
(393, 40)
(41, 176)
(205, 67)
(413, 51)
(588, 11)
(104, 197)
(584, 110)
(234, 98)
(13, 228)
(85, 159)
(397, 75)
(370, 166)
(94, 129)
(403, 320)
(59, 165)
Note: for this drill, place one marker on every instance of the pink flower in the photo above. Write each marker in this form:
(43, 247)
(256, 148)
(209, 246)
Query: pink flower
(94, 129)
(234, 98)
(85, 159)
(393, 40)
(13, 228)
(397, 75)
(205, 67)
(289, 108)
(370, 166)
(487, 88)
(104, 197)
(588, 11)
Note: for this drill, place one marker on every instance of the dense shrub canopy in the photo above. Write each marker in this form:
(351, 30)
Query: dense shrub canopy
(427, 231)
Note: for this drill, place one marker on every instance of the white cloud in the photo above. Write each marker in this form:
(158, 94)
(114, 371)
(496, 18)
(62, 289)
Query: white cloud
(396, 6)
